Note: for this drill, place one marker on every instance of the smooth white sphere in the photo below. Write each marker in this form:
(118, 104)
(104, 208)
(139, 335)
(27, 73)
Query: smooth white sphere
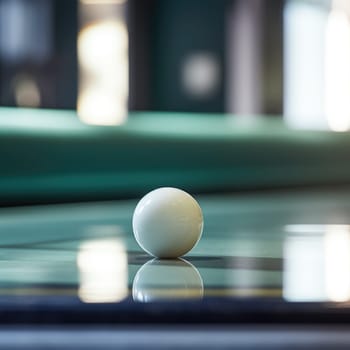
(167, 280)
(167, 222)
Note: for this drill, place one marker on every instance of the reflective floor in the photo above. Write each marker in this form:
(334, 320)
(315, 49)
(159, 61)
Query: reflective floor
(292, 246)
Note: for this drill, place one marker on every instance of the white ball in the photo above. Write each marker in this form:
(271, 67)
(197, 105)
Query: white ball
(167, 280)
(167, 222)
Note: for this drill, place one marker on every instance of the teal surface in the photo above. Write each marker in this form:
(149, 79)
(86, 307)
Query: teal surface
(290, 245)
(49, 155)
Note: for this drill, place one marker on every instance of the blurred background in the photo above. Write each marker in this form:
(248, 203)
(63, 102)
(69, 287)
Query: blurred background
(196, 55)
(246, 57)
(209, 95)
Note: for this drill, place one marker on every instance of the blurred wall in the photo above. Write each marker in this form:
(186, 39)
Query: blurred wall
(184, 55)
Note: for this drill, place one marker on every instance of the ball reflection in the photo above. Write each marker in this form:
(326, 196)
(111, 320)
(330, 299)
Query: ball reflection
(167, 279)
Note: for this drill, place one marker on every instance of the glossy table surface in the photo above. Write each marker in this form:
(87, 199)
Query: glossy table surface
(263, 257)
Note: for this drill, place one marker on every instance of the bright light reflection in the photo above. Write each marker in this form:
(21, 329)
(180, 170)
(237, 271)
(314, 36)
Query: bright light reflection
(97, 106)
(305, 229)
(337, 71)
(304, 268)
(317, 263)
(167, 279)
(316, 60)
(304, 47)
(103, 64)
(100, 43)
(337, 252)
(103, 271)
